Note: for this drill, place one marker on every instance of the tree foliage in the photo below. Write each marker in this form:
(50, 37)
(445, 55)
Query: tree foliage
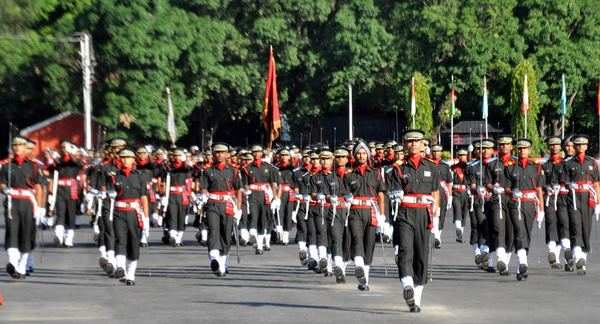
(213, 54)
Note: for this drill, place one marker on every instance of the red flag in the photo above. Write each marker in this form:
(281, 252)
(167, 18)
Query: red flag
(525, 102)
(271, 118)
(598, 100)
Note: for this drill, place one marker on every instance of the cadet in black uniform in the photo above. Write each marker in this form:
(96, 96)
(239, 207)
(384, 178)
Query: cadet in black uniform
(130, 209)
(367, 187)
(262, 181)
(582, 178)
(302, 180)
(419, 207)
(445, 179)
(557, 224)
(24, 195)
(288, 195)
(180, 190)
(501, 232)
(460, 195)
(221, 185)
(67, 195)
(148, 171)
(526, 181)
(339, 233)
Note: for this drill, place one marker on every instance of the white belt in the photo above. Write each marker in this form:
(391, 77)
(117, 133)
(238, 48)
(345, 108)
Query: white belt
(127, 205)
(426, 199)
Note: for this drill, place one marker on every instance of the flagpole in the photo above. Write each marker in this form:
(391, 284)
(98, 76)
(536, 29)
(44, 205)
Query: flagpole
(526, 98)
(562, 108)
(452, 119)
(486, 104)
(413, 101)
(350, 112)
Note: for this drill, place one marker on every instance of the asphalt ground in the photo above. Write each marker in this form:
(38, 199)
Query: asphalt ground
(175, 285)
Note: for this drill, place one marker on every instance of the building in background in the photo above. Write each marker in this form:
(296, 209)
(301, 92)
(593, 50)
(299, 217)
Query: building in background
(64, 126)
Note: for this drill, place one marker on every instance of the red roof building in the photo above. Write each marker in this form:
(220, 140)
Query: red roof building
(64, 126)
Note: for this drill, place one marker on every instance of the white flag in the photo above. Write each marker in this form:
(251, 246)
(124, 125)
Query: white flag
(171, 119)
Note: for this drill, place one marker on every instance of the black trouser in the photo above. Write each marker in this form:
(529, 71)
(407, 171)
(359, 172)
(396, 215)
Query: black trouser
(562, 215)
(301, 225)
(551, 218)
(443, 208)
(176, 211)
(460, 206)
(220, 227)
(362, 234)
(244, 220)
(336, 232)
(317, 225)
(260, 213)
(580, 220)
(66, 208)
(127, 234)
(285, 212)
(106, 227)
(479, 224)
(413, 238)
(20, 229)
(502, 230)
(522, 226)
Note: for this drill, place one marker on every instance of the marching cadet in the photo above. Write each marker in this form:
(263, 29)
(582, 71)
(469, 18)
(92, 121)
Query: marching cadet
(339, 234)
(221, 184)
(393, 184)
(582, 178)
(313, 209)
(63, 201)
(501, 227)
(262, 181)
(302, 180)
(244, 226)
(563, 205)
(557, 220)
(287, 194)
(367, 187)
(479, 194)
(130, 212)
(20, 182)
(416, 216)
(526, 181)
(460, 193)
(445, 178)
(106, 236)
(323, 190)
(177, 196)
(148, 172)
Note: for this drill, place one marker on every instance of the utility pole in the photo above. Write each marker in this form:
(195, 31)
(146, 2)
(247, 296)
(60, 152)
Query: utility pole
(85, 41)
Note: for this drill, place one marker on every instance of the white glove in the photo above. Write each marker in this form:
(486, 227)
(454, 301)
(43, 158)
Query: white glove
(449, 204)
(112, 194)
(164, 201)
(96, 229)
(380, 219)
(498, 189)
(237, 215)
(320, 198)
(556, 188)
(481, 191)
(388, 229)
(334, 201)
(51, 198)
(275, 204)
(597, 212)
(39, 213)
(348, 200)
(517, 194)
(102, 195)
(540, 218)
(279, 229)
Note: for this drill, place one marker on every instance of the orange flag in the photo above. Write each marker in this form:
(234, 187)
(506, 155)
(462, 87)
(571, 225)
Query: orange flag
(271, 118)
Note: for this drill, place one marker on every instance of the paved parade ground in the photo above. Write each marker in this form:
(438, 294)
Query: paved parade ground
(175, 285)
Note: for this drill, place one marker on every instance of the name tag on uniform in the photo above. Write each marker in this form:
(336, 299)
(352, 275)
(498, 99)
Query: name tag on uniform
(427, 173)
